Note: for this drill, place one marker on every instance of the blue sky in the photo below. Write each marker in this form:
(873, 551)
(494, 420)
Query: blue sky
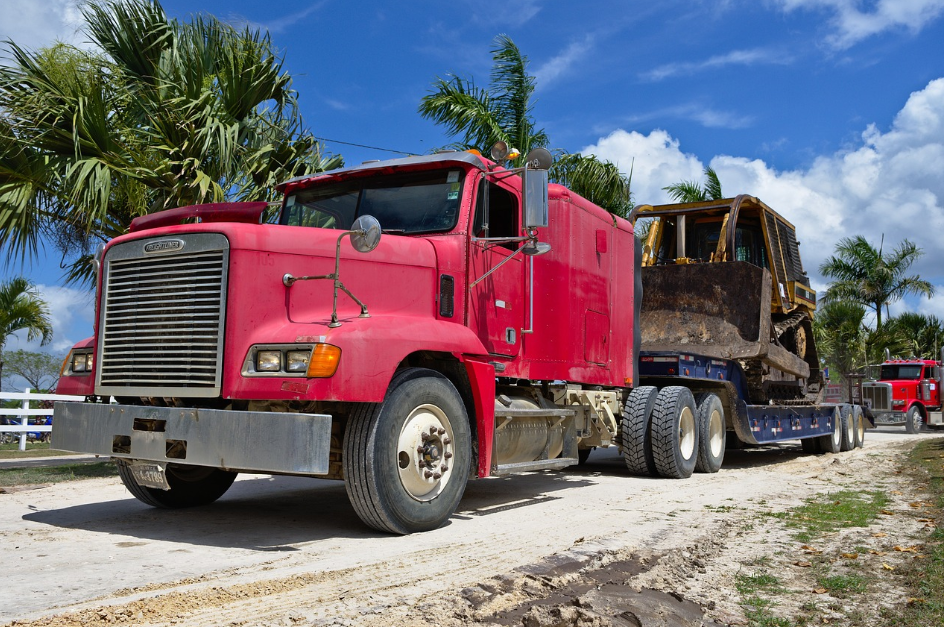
(831, 111)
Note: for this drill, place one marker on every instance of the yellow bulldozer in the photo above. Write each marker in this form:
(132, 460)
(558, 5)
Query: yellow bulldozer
(723, 279)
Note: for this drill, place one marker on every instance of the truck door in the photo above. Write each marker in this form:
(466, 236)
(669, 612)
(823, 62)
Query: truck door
(496, 303)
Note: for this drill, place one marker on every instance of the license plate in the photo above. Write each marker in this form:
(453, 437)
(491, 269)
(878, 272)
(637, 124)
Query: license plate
(150, 476)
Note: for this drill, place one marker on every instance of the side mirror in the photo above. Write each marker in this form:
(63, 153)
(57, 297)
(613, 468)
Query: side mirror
(365, 234)
(534, 186)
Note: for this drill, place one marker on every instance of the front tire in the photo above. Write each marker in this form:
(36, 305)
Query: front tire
(190, 486)
(407, 459)
(914, 420)
(675, 433)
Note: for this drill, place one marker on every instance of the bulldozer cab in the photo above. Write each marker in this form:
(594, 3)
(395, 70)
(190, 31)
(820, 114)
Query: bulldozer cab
(734, 229)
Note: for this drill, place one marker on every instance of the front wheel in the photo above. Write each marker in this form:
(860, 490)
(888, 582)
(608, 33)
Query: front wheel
(190, 486)
(407, 459)
(913, 420)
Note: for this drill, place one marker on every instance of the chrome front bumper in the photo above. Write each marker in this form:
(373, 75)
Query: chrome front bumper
(889, 417)
(250, 441)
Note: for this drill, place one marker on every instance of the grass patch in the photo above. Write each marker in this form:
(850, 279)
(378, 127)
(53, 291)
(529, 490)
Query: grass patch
(11, 450)
(760, 582)
(828, 512)
(925, 577)
(841, 586)
(10, 477)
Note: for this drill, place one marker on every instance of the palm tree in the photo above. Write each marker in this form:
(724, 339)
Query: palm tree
(162, 114)
(21, 308)
(504, 112)
(840, 336)
(692, 191)
(924, 335)
(868, 276)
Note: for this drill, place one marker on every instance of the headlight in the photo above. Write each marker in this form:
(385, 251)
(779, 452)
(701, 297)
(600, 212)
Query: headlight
(297, 361)
(292, 360)
(78, 362)
(269, 361)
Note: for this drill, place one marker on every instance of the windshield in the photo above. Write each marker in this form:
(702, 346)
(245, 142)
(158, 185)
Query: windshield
(417, 202)
(898, 371)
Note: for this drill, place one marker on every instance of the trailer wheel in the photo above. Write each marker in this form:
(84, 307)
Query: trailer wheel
(407, 459)
(848, 428)
(675, 433)
(635, 432)
(858, 419)
(832, 443)
(914, 420)
(712, 433)
(190, 486)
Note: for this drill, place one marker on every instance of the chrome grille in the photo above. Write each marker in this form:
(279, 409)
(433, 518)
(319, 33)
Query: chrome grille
(878, 396)
(161, 327)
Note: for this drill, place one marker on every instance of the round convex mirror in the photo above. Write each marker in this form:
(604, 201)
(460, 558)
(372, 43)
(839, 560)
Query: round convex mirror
(365, 234)
(539, 159)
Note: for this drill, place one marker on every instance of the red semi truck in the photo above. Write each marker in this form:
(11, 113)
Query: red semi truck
(908, 391)
(404, 326)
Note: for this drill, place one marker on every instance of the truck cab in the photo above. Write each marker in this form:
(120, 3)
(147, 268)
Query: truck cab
(908, 392)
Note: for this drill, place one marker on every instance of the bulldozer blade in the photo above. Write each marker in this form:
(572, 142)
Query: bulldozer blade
(719, 310)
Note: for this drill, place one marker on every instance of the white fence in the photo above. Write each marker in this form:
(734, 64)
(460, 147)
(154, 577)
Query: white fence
(25, 412)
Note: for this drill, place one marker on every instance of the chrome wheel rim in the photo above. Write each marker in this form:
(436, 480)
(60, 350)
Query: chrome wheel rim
(715, 433)
(425, 451)
(687, 433)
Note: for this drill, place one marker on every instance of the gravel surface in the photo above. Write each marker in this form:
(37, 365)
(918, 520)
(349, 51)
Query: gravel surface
(587, 546)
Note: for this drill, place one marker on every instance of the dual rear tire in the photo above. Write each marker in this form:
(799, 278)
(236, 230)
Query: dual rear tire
(666, 433)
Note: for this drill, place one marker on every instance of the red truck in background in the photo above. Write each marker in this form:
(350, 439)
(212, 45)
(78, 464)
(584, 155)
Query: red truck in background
(908, 392)
(404, 326)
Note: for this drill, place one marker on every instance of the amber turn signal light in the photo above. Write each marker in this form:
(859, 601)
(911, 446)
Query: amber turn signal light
(324, 361)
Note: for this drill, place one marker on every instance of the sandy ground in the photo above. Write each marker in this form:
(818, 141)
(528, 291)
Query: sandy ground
(588, 546)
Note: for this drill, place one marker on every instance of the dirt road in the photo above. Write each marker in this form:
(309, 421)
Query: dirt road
(285, 551)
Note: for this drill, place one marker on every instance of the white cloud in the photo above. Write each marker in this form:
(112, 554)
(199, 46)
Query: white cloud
(70, 311)
(508, 14)
(889, 185)
(756, 56)
(697, 112)
(655, 160)
(32, 24)
(851, 24)
(562, 63)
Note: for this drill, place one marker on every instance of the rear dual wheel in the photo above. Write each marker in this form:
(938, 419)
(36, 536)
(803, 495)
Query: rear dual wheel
(635, 433)
(832, 442)
(858, 421)
(675, 433)
(712, 438)
(848, 427)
